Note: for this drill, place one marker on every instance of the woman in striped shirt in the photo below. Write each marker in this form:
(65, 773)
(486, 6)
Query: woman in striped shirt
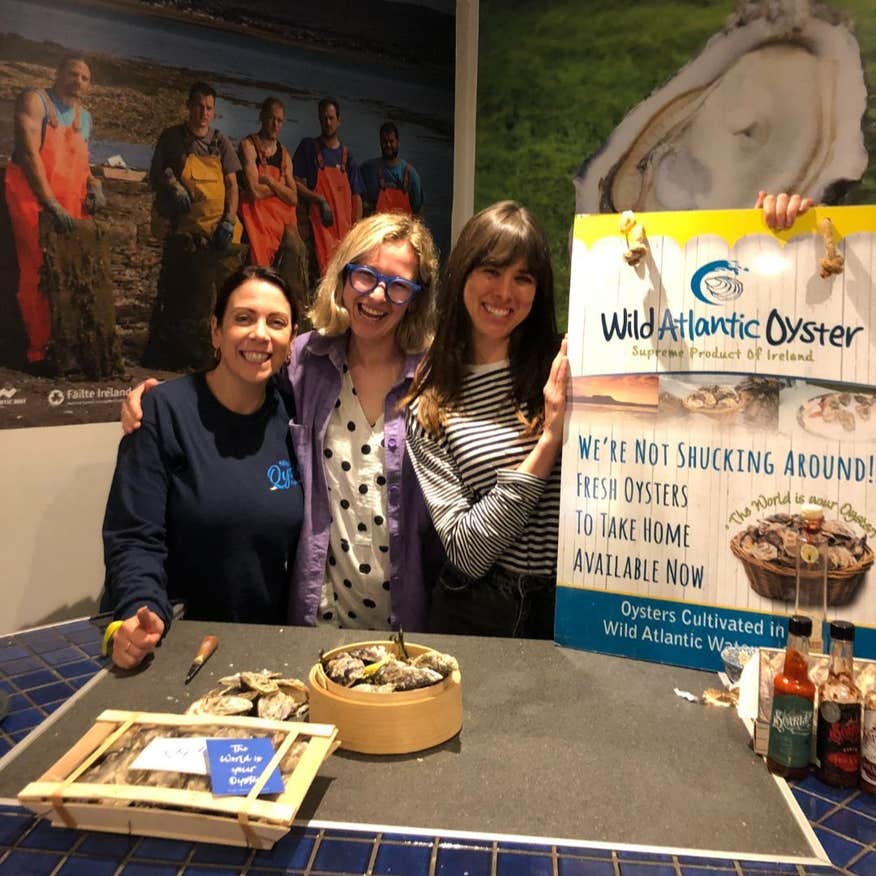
(485, 427)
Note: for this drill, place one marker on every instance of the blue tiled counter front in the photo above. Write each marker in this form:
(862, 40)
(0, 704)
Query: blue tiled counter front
(41, 669)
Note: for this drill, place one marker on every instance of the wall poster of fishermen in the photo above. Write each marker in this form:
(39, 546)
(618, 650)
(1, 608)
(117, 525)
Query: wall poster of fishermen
(148, 150)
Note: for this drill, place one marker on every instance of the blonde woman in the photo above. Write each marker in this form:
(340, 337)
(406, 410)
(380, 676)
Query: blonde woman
(368, 552)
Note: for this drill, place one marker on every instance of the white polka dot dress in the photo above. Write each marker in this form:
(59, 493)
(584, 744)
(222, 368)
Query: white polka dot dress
(356, 591)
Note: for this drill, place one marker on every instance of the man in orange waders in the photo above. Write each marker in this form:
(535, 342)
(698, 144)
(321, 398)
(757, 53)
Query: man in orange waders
(268, 201)
(194, 175)
(329, 182)
(49, 173)
(392, 185)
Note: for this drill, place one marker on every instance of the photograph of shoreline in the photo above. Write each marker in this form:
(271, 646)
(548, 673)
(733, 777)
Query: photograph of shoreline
(628, 395)
(395, 63)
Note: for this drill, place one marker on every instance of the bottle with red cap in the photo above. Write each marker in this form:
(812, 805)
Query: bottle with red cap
(793, 705)
(838, 735)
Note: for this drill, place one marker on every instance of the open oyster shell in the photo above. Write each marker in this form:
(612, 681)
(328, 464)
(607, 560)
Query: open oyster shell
(773, 102)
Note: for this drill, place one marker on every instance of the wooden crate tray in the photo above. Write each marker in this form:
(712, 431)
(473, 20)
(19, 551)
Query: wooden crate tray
(61, 795)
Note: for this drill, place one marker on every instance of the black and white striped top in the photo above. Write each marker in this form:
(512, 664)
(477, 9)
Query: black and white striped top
(485, 511)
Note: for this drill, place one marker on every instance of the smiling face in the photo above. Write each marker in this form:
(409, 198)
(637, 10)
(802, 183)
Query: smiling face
(497, 299)
(256, 332)
(373, 317)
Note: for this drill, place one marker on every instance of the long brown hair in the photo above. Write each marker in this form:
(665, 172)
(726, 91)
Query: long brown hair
(495, 237)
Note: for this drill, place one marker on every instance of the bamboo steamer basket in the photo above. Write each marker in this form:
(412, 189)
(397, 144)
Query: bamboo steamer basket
(775, 581)
(391, 723)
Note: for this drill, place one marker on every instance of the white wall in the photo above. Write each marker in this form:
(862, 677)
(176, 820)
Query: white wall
(54, 486)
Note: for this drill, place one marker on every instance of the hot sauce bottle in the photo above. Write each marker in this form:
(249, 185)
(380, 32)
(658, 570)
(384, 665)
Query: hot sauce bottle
(793, 705)
(868, 745)
(838, 737)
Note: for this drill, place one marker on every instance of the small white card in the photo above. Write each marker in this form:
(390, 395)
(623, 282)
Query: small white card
(186, 755)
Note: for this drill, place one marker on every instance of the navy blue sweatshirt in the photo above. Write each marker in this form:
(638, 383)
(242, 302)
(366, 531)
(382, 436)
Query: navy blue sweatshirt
(205, 506)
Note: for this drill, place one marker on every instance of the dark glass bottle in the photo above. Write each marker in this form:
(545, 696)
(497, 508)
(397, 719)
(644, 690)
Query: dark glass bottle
(793, 705)
(868, 745)
(838, 737)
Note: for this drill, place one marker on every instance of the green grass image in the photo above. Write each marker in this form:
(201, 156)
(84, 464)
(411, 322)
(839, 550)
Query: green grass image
(555, 78)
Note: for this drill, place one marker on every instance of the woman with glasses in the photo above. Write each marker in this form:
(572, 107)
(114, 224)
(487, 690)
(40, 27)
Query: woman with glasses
(486, 426)
(368, 550)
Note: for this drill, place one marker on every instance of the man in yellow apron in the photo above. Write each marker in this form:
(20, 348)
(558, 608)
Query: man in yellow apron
(329, 183)
(194, 175)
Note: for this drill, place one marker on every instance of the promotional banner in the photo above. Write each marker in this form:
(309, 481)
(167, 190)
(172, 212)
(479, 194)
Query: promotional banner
(722, 376)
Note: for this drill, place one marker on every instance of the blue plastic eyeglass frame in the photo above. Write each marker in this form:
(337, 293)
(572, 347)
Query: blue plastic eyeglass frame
(387, 279)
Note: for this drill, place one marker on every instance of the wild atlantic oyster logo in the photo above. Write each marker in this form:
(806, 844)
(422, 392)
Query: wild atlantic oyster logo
(717, 282)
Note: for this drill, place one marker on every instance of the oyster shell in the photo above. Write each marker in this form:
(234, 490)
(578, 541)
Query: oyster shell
(277, 706)
(220, 705)
(774, 101)
(403, 676)
(444, 664)
(263, 693)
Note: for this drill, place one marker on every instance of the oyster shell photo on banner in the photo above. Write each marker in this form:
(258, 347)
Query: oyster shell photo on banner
(774, 101)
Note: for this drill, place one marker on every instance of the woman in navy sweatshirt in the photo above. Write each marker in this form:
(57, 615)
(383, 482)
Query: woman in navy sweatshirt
(206, 504)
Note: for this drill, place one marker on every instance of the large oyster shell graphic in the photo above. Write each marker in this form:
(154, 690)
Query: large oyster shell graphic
(772, 102)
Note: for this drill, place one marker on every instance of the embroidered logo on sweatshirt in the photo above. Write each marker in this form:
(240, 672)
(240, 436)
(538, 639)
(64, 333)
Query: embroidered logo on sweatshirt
(282, 475)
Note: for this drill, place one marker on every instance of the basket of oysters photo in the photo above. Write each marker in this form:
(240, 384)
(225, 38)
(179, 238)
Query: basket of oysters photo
(768, 548)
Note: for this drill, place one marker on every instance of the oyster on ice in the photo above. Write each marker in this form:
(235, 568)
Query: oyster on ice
(774, 101)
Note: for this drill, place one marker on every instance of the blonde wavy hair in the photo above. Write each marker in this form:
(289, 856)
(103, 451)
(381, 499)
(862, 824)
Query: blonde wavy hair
(329, 316)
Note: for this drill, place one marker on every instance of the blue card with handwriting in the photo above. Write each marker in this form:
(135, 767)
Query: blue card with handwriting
(237, 764)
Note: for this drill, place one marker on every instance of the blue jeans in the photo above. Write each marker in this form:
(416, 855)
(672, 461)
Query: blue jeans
(502, 603)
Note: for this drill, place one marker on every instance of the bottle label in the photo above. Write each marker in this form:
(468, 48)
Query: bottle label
(790, 730)
(838, 741)
(809, 553)
(868, 747)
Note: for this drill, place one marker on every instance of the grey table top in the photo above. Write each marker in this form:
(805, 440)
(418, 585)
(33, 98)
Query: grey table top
(555, 743)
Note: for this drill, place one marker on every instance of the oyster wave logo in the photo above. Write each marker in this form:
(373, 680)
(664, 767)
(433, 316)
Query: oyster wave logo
(282, 475)
(717, 282)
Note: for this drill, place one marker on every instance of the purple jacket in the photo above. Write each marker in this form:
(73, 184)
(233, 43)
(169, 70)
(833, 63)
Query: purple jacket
(415, 552)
